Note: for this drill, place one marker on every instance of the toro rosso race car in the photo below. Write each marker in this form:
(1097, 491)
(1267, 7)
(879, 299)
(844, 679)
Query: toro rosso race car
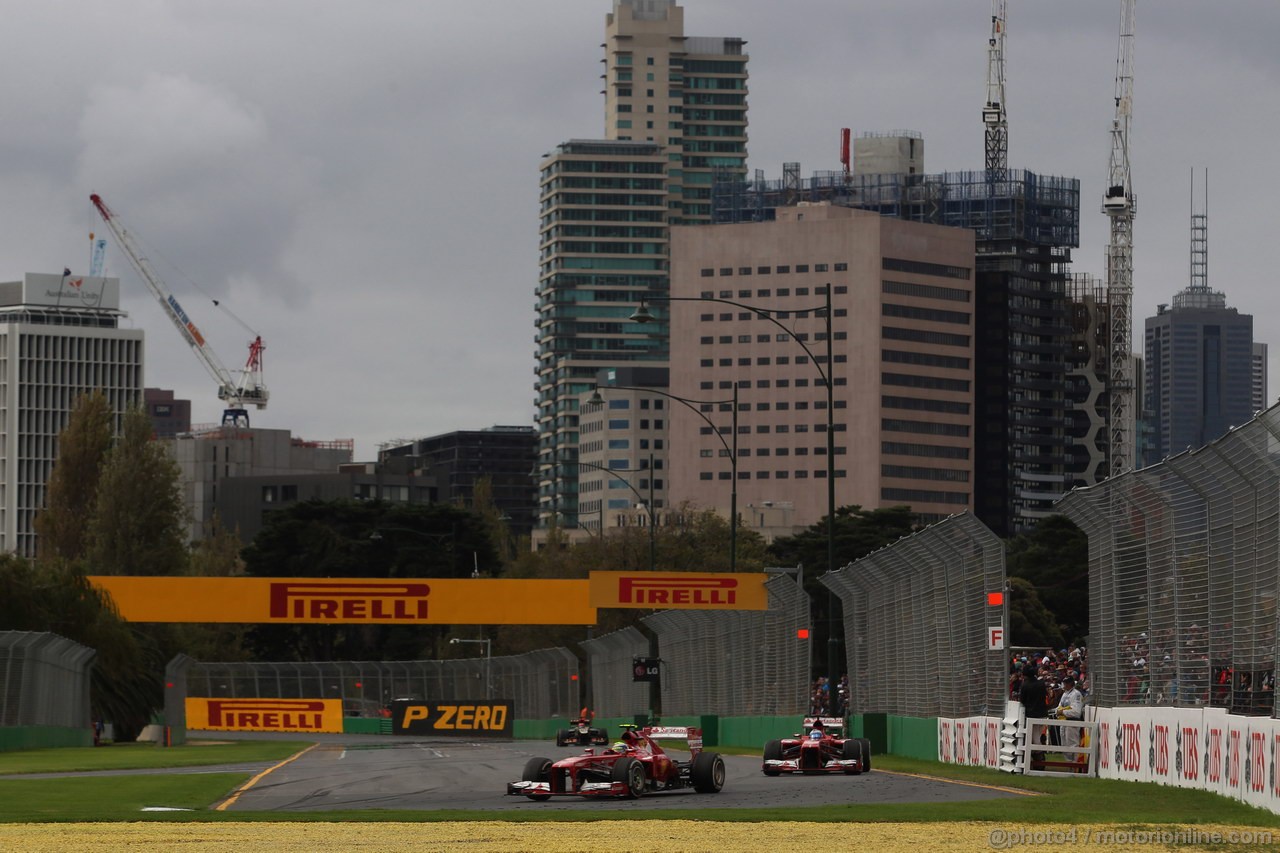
(581, 733)
(633, 766)
(821, 750)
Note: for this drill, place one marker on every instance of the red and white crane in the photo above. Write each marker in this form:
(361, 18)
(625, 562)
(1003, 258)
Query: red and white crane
(236, 391)
(1120, 206)
(994, 117)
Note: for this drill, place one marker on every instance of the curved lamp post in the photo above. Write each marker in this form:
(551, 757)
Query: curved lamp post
(653, 551)
(598, 399)
(642, 315)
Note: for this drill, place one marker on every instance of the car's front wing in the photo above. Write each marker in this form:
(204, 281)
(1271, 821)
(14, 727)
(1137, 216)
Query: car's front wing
(792, 765)
(586, 789)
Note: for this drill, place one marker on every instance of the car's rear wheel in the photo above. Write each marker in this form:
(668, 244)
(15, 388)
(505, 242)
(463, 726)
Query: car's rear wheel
(772, 752)
(866, 754)
(631, 772)
(707, 773)
(852, 751)
(537, 770)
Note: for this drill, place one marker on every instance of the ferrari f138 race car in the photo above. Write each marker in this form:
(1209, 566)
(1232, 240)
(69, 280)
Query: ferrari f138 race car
(631, 767)
(582, 733)
(821, 748)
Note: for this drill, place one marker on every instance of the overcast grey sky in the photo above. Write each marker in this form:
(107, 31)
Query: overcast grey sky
(358, 181)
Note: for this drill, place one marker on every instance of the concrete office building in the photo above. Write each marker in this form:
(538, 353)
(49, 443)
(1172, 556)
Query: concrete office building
(218, 459)
(60, 338)
(454, 462)
(902, 295)
(675, 116)
(1025, 227)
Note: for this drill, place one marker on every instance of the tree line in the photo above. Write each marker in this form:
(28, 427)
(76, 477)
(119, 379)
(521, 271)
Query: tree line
(114, 506)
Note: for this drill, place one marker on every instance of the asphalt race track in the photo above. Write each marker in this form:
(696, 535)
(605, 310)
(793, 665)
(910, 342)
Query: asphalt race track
(375, 772)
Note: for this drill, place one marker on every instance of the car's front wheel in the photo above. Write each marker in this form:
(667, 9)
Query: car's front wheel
(772, 752)
(852, 751)
(707, 773)
(631, 772)
(537, 770)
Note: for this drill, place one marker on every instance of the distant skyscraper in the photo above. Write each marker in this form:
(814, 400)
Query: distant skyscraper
(1200, 373)
(675, 117)
(60, 338)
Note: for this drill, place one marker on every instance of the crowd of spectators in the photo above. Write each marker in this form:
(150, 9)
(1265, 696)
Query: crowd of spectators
(1052, 668)
(820, 703)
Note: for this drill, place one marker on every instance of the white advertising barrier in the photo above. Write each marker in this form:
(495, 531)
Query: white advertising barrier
(1259, 768)
(969, 740)
(991, 742)
(1214, 752)
(1106, 739)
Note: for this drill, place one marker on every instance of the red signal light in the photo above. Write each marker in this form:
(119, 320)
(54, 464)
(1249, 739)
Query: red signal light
(802, 633)
(995, 599)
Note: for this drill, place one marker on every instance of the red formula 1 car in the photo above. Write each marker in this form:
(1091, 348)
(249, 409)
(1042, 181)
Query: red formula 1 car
(821, 750)
(633, 766)
(580, 732)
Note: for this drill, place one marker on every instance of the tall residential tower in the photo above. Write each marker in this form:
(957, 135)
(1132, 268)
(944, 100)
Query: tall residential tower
(675, 117)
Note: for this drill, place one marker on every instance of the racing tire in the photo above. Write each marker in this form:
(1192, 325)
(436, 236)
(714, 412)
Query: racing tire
(631, 772)
(866, 754)
(773, 752)
(707, 773)
(852, 750)
(537, 770)
(562, 737)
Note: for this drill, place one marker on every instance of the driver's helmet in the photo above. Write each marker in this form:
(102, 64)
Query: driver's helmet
(816, 734)
(619, 746)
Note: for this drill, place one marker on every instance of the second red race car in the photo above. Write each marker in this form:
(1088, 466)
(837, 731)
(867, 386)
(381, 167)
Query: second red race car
(633, 766)
(821, 748)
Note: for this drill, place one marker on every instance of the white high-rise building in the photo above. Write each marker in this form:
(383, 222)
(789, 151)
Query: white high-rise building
(60, 337)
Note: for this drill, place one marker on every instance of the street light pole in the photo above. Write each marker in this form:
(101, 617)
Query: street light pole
(653, 552)
(642, 315)
(597, 399)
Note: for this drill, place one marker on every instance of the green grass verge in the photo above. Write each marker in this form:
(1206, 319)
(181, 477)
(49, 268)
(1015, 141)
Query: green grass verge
(1060, 801)
(141, 756)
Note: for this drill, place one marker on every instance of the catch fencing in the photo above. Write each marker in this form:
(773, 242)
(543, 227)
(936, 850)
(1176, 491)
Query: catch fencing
(916, 623)
(542, 684)
(736, 663)
(44, 680)
(1184, 564)
(612, 691)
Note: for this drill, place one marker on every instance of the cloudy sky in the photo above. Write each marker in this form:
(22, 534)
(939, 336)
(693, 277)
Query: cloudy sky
(357, 182)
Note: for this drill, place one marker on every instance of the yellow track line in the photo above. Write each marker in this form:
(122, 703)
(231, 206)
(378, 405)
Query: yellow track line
(222, 806)
(959, 782)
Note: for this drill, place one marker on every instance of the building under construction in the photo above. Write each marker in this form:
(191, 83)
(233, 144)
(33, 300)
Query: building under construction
(1026, 225)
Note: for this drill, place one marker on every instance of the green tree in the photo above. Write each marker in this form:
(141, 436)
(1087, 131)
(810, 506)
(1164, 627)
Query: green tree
(1054, 559)
(365, 539)
(72, 487)
(1030, 622)
(139, 520)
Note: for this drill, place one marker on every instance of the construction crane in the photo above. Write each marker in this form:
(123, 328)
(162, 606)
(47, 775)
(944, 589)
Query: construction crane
(1120, 206)
(993, 114)
(235, 392)
(98, 255)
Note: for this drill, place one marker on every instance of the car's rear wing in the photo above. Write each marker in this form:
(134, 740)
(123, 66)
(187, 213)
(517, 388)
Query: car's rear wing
(831, 724)
(691, 735)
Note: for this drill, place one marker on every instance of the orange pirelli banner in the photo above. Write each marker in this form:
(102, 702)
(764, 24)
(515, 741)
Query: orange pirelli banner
(265, 715)
(680, 590)
(432, 601)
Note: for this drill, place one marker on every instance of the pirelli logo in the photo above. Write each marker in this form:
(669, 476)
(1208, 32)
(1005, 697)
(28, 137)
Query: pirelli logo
(458, 718)
(679, 590)
(348, 601)
(265, 715)
(665, 590)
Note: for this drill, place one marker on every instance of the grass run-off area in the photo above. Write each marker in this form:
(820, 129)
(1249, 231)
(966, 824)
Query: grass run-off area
(122, 797)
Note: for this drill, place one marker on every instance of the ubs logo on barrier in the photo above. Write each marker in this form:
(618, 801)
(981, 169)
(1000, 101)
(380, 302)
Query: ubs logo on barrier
(458, 718)
(351, 602)
(265, 715)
